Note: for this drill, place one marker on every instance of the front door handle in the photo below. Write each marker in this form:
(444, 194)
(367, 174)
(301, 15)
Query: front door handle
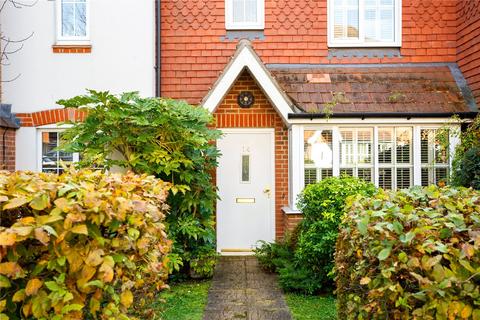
(267, 191)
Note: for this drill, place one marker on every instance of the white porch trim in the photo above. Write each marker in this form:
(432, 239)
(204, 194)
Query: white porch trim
(246, 58)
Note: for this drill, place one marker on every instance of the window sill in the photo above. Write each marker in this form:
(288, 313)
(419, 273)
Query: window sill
(290, 211)
(72, 48)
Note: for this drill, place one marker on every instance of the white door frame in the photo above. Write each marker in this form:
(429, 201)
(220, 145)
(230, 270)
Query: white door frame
(271, 132)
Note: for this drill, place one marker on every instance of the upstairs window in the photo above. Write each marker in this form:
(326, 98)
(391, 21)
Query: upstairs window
(72, 20)
(244, 14)
(364, 23)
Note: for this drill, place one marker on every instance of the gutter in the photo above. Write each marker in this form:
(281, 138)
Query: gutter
(158, 48)
(364, 115)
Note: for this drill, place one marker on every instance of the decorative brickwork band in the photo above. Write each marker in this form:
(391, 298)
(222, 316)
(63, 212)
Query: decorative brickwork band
(45, 117)
(72, 49)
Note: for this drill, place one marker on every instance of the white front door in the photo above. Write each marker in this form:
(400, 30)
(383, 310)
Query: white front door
(245, 180)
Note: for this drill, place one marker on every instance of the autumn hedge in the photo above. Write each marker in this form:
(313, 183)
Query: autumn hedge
(81, 244)
(411, 254)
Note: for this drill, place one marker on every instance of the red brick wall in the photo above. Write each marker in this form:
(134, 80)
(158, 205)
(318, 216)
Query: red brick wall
(291, 221)
(193, 52)
(468, 43)
(44, 117)
(7, 146)
(260, 115)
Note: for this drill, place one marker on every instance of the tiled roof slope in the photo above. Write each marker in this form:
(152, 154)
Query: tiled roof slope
(194, 49)
(468, 43)
(429, 89)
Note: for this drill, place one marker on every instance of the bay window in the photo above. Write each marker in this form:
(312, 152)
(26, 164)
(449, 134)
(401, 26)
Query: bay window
(392, 157)
(244, 14)
(370, 23)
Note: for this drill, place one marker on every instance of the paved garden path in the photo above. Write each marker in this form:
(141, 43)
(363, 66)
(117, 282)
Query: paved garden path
(241, 290)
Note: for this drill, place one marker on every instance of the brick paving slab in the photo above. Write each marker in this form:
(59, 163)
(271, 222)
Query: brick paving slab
(242, 290)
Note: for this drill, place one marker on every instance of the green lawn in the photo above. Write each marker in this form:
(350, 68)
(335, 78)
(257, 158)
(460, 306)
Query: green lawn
(311, 307)
(184, 301)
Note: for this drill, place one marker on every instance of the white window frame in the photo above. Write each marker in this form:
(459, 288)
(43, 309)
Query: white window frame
(71, 39)
(415, 150)
(434, 165)
(230, 25)
(361, 37)
(394, 165)
(75, 156)
(356, 165)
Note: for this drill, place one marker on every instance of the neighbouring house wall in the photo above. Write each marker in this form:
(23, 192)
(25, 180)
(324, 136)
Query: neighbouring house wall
(194, 48)
(468, 43)
(121, 58)
(7, 149)
(260, 115)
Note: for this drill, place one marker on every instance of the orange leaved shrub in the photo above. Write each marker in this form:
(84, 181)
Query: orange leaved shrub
(81, 244)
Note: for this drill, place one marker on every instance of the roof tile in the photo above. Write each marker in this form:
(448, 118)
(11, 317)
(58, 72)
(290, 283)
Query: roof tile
(372, 89)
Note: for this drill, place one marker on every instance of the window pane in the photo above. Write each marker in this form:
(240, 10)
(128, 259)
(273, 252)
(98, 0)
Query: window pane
(251, 10)
(352, 23)
(310, 176)
(346, 172)
(338, 30)
(425, 138)
(68, 19)
(369, 24)
(441, 175)
(385, 145)
(326, 173)
(386, 25)
(238, 11)
(346, 19)
(441, 150)
(425, 177)
(404, 143)
(80, 19)
(365, 174)
(50, 157)
(318, 148)
(385, 178)
(364, 146)
(245, 168)
(403, 178)
(346, 147)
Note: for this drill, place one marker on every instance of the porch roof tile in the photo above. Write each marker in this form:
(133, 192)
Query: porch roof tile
(416, 89)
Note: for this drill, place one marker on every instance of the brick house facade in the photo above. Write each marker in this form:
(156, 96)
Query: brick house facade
(196, 46)
(389, 87)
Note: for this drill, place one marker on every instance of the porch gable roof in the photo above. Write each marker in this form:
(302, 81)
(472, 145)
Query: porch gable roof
(245, 57)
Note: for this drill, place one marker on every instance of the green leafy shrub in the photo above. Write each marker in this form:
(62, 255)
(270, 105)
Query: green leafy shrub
(411, 254)
(163, 137)
(466, 162)
(469, 175)
(322, 205)
(304, 261)
(80, 244)
(272, 256)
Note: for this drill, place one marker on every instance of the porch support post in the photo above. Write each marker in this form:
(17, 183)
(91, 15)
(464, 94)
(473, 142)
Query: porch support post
(296, 164)
(417, 157)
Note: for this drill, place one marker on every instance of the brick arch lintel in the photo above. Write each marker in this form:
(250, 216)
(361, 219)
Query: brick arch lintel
(52, 116)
